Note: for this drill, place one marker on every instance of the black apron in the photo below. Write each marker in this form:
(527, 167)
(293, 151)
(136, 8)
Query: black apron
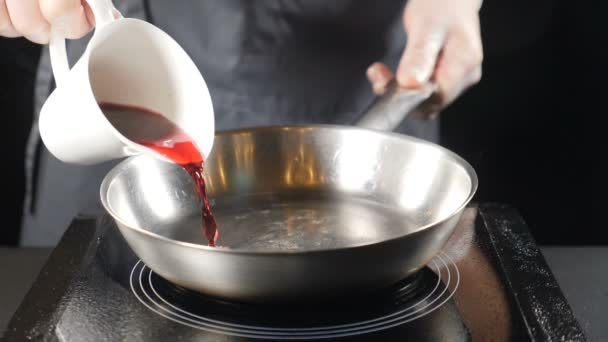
(265, 62)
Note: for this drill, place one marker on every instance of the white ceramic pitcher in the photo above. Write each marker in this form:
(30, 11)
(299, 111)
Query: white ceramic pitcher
(127, 61)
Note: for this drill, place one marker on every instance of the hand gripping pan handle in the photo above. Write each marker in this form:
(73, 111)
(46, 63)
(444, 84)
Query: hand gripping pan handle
(390, 109)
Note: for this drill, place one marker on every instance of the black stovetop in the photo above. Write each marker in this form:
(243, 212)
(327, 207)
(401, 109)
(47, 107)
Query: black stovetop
(490, 282)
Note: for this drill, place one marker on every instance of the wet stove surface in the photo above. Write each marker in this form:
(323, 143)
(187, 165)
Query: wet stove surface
(490, 282)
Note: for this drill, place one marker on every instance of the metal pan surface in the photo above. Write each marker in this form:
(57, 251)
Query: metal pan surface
(304, 212)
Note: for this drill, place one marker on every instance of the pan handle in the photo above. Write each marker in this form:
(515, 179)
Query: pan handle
(387, 112)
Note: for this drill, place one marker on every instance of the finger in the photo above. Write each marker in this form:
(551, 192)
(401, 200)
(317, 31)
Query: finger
(379, 75)
(67, 16)
(27, 19)
(420, 56)
(6, 26)
(458, 68)
(89, 13)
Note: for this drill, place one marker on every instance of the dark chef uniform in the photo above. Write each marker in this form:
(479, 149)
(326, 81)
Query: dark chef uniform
(265, 62)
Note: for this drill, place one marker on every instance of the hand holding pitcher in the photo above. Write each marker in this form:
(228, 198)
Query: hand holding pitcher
(127, 62)
(33, 19)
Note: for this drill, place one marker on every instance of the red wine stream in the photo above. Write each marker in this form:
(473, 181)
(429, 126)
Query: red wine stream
(156, 132)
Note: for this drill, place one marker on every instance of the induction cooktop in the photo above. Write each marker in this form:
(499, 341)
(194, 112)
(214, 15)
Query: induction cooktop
(489, 283)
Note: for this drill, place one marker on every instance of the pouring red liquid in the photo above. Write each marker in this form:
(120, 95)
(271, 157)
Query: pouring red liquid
(156, 132)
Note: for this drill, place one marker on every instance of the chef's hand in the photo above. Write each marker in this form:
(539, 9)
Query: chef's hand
(32, 19)
(444, 45)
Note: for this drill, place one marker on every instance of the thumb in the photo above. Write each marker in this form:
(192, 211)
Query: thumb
(420, 56)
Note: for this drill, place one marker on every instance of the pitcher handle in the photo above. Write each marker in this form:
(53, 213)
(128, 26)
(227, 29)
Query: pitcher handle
(102, 11)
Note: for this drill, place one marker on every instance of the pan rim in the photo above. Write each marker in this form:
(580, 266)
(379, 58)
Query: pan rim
(468, 168)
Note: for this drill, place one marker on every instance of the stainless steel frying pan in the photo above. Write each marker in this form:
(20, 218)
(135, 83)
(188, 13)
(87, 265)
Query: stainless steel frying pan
(304, 212)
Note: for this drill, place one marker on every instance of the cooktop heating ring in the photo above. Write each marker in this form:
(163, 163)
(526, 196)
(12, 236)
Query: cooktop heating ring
(145, 286)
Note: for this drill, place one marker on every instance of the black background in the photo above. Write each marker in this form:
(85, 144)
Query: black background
(533, 128)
